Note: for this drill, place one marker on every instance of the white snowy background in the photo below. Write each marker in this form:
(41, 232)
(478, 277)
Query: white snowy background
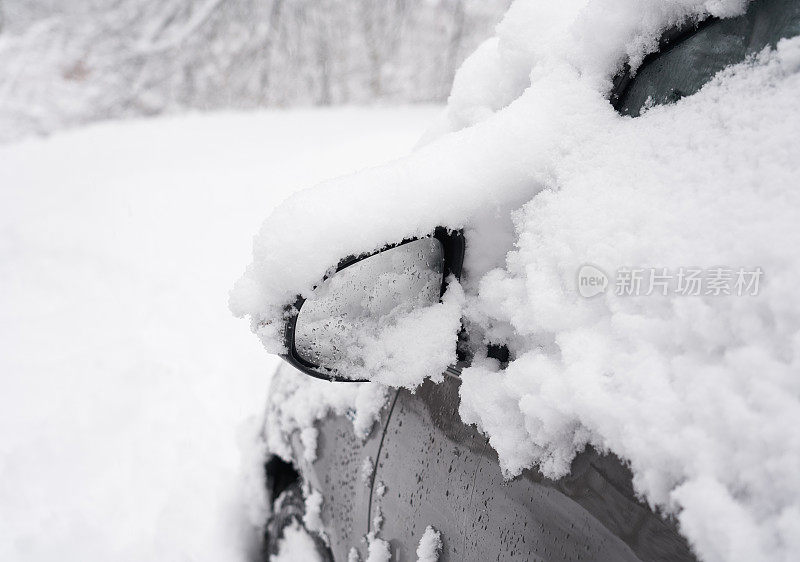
(129, 394)
(69, 62)
(130, 397)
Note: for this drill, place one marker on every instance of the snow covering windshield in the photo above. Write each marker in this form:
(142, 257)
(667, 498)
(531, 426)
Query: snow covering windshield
(698, 390)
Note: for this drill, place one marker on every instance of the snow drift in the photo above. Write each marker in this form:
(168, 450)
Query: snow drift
(130, 399)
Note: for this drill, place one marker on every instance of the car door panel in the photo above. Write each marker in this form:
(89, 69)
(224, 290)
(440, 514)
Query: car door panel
(428, 472)
(337, 475)
(438, 471)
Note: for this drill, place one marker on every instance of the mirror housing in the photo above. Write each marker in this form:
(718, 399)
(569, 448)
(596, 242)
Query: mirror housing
(452, 252)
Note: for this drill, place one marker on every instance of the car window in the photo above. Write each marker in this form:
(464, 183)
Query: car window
(690, 60)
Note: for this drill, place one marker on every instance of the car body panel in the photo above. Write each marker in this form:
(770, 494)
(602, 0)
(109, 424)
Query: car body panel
(337, 475)
(438, 471)
(428, 469)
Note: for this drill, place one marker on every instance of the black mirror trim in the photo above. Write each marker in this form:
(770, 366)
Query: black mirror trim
(453, 245)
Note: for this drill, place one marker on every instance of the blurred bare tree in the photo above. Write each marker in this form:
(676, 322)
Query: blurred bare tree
(64, 62)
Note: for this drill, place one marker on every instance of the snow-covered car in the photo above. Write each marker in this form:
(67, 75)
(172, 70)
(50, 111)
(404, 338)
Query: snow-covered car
(415, 481)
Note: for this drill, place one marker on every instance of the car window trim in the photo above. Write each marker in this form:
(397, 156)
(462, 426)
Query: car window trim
(669, 40)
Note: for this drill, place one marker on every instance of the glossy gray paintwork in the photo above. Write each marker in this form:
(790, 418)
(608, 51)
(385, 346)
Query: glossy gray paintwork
(438, 471)
(336, 474)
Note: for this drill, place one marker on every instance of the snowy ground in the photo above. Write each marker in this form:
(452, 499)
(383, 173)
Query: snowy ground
(126, 383)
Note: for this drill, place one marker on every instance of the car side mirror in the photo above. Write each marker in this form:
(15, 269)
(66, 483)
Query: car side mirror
(365, 295)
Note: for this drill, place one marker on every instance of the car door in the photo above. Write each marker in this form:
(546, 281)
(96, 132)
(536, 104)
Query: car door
(336, 472)
(437, 471)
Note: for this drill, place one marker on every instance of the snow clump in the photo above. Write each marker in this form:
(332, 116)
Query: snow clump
(430, 545)
(297, 402)
(312, 518)
(367, 468)
(296, 544)
(378, 549)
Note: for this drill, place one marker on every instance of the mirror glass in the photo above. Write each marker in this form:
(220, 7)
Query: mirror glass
(366, 297)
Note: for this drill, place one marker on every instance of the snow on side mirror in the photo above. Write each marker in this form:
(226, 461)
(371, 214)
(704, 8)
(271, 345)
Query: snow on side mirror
(366, 297)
